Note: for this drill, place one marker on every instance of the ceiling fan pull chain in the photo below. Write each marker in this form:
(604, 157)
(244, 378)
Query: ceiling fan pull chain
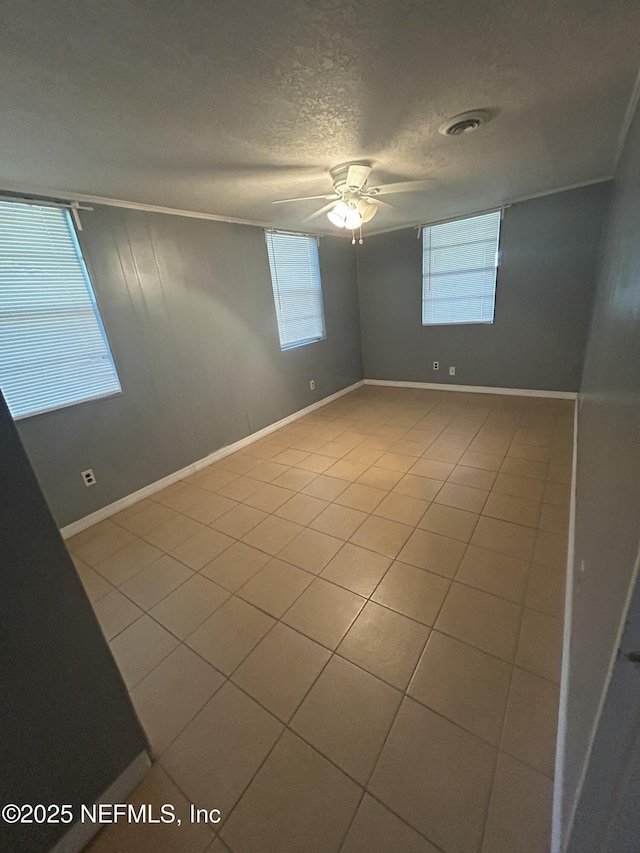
(361, 241)
(353, 237)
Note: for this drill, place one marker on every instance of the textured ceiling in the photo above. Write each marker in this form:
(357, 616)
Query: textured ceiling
(221, 106)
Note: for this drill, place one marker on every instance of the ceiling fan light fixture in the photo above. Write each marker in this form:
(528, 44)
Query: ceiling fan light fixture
(338, 214)
(353, 219)
(367, 209)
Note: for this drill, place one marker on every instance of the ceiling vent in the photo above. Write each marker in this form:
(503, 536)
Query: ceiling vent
(464, 123)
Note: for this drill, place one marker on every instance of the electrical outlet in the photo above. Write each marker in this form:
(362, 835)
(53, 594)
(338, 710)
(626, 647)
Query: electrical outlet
(88, 477)
(452, 371)
(436, 365)
(312, 384)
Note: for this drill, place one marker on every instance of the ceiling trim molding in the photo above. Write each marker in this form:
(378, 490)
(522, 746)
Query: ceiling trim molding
(497, 206)
(129, 205)
(626, 124)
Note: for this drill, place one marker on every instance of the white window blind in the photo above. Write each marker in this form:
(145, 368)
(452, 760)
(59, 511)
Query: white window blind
(53, 348)
(297, 290)
(459, 268)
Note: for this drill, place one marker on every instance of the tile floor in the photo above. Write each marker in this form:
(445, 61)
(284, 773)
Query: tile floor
(347, 636)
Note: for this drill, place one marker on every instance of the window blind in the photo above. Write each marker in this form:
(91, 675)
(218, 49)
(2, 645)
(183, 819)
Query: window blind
(297, 290)
(459, 268)
(53, 348)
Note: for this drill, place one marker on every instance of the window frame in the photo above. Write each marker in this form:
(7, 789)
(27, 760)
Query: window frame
(93, 301)
(280, 296)
(498, 257)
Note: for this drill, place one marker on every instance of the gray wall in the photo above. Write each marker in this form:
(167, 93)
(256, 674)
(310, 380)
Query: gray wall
(68, 727)
(188, 308)
(608, 488)
(543, 302)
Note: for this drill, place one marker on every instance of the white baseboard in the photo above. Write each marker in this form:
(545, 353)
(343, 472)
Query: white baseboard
(476, 389)
(558, 818)
(81, 834)
(111, 509)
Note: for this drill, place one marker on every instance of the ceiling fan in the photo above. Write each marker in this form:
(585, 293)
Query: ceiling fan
(352, 202)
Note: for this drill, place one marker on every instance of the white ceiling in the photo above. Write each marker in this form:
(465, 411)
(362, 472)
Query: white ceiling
(221, 106)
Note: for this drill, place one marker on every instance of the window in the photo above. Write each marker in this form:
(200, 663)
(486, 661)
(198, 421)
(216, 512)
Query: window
(459, 268)
(53, 349)
(297, 291)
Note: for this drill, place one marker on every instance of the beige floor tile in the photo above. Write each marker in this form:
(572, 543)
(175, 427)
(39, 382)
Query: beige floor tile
(442, 452)
(496, 573)
(339, 521)
(183, 610)
(381, 535)
(227, 637)
(128, 561)
(180, 496)
(509, 508)
(290, 456)
(394, 461)
(94, 584)
(364, 455)
(413, 592)
(267, 471)
(272, 534)
(280, 670)
(375, 828)
(410, 447)
(316, 463)
(115, 613)
(559, 474)
(519, 487)
(325, 487)
(335, 449)
(465, 685)
(436, 776)
(311, 550)
(357, 569)
(100, 542)
(140, 648)
(239, 521)
(475, 478)
(449, 521)
(462, 497)
(491, 446)
(402, 508)
(200, 549)
(344, 470)
(302, 509)
(519, 818)
(129, 511)
(540, 645)
(529, 451)
(531, 722)
(551, 550)
(484, 461)
(346, 716)
(155, 790)
(240, 488)
(294, 479)
(269, 498)
(381, 478)
(171, 695)
(215, 757)
(385, 643)
(324, 612)
(173, 532)
(422, 488)
(525, 468)
(432, 469)
(275, 587)
(546, 590)
(481, 620)
(152, 584)
(233, 568)
(431, 551)
(557, 493)
(215, 478)
(515, 540)
(209, 508)
(239, 463)
(554, 519)
(152, 515)
(286, 806)
(361, 497)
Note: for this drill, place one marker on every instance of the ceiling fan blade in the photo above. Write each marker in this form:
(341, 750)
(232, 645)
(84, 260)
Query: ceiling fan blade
(357, 175)
(402, 187)
(304, 198)
(322, 210)
(378, 201)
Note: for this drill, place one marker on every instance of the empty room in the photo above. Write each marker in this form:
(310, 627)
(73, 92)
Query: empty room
(319, 426)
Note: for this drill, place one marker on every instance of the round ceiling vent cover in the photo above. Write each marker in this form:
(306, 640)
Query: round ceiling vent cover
(464, 123)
